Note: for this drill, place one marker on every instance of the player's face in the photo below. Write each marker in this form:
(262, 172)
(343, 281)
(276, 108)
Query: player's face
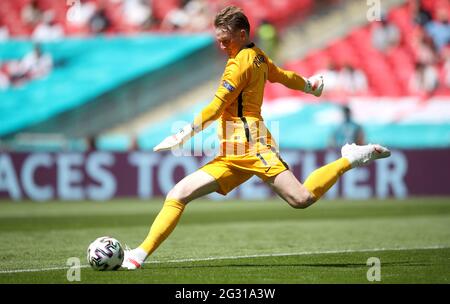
(230, 42)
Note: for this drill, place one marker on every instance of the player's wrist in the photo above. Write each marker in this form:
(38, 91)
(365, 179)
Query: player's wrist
(308, 86)
(185, 133)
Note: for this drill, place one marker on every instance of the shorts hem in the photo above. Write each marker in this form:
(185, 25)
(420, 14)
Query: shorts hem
(221, 190)
(264, 178)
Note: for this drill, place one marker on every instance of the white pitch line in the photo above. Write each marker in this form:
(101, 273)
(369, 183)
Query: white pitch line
(242, 257)
(37, 269)
(294, 254)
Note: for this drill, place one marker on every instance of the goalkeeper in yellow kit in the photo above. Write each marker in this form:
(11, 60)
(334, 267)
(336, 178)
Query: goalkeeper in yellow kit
(247, 147)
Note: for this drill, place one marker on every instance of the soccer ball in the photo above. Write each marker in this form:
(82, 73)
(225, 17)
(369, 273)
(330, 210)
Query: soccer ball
(105, 253)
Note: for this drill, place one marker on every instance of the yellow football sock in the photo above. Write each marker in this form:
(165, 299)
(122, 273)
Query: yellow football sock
(322, 179)
(163, 225)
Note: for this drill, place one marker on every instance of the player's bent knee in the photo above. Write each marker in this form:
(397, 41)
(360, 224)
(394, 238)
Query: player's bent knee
(302, 201)
(180, 193)
(299, 205)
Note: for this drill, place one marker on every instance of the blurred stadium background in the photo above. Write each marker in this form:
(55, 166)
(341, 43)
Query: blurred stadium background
(115, 76)
(88, 87)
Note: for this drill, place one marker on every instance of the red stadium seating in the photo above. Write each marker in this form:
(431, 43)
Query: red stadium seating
(279, 12)
(387, 74)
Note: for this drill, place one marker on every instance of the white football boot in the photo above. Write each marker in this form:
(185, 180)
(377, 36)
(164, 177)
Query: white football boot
(131, 259)
(362, 155)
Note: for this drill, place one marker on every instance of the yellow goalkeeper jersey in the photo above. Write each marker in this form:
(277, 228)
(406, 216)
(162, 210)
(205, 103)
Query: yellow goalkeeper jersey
(239, 99)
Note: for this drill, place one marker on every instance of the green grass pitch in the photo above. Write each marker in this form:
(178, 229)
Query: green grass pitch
(234, 241)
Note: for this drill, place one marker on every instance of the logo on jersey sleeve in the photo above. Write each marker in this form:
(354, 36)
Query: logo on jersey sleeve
(259, 60)
(228, 86)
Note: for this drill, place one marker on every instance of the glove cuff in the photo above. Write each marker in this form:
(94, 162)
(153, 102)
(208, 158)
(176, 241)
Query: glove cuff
(185, 133)
(308, 86)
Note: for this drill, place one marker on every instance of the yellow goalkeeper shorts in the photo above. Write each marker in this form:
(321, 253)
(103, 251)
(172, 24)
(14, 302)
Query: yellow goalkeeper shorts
(231, 171)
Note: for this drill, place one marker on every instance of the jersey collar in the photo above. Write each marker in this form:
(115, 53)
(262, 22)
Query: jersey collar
(248, 46)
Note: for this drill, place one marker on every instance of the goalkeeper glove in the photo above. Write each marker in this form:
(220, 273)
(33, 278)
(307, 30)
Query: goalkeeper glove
(176, 140)
(314, 85)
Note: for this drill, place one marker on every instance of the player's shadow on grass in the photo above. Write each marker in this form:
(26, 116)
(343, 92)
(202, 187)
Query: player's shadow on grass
(328, 265)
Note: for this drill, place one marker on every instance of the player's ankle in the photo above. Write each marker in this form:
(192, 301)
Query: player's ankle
(140, 254)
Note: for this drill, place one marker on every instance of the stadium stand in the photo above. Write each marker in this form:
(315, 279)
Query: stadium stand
(353, 60)
(70, 86)
(134, 16)
(398, 116)
(67, 32)
(388, 73)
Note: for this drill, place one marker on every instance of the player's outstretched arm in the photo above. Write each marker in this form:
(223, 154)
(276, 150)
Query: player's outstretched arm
(232, 82)
(175, 140)
(312, 85)
(209, 114)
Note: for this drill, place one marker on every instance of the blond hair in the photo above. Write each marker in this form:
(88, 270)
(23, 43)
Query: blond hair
(232, 18)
